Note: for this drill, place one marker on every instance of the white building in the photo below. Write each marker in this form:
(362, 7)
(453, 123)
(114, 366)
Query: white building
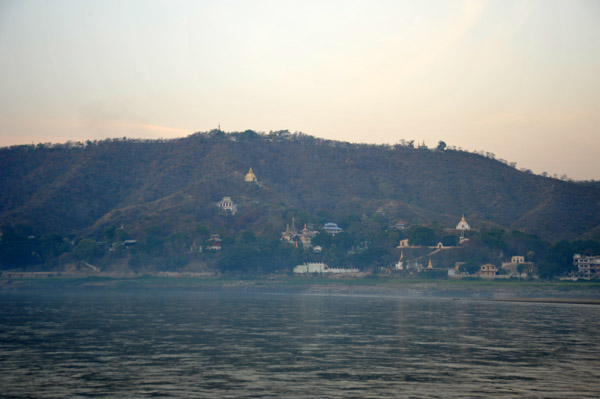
(227, 205)
(588, 267)
(332, 228)
(311, 267)
(319, 267)
(463, 225)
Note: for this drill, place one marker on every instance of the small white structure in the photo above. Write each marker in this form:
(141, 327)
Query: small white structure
(340, 270)
(311, 267)
(517, 259)
(399, 225)
(319, 267)
(227, 205)
(332, 228)
(403, 243)
(463, 225)
(400, 264)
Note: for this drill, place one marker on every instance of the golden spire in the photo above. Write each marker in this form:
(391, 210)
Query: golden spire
(430, 266)
(250, 177)
(463, 218)
(401, 254)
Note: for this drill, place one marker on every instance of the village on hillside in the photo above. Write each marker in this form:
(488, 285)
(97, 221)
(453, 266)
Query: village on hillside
(326, 249)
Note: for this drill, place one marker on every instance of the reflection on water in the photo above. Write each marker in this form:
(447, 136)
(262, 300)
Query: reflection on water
(171, 343)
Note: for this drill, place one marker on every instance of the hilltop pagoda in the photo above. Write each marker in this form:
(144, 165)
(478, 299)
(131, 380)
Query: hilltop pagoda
(250, 177)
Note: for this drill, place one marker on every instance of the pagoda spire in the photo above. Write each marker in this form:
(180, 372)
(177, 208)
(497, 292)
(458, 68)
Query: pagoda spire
(250, 177)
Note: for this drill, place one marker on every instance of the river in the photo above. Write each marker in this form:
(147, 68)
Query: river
(174, 343)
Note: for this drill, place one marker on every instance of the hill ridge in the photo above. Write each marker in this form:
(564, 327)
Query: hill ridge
(75, 188)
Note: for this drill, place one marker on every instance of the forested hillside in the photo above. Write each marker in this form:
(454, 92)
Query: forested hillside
(78, 188)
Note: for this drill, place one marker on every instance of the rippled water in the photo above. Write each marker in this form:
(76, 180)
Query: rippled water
(170, 343)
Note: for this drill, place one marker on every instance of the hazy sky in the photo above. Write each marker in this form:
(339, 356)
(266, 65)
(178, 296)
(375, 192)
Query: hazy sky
(520, 79)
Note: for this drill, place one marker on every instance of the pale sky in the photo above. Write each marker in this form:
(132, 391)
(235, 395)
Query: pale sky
(520, 79)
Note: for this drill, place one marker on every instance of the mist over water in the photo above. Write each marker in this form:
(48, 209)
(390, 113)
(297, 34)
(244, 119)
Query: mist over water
(172, 343)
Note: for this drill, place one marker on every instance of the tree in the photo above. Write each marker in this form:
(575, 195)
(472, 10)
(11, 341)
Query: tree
(421, 235)
(86, 249)
(369, 257)
(558, 261)
(493, 238)
(202, 232)
(343, 240)
(441, 146)
(469, 268)
(450, 241)
(245, 237)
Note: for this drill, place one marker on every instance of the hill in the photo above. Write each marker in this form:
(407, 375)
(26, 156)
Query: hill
(81, 189)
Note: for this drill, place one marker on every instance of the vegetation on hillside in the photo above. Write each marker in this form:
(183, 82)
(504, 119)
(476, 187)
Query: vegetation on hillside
(83, 202)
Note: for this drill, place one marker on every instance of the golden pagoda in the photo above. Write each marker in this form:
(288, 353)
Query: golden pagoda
(250, 177)
(430, 265)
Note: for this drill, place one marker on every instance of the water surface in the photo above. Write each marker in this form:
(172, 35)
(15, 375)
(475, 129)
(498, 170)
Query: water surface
(174, 344)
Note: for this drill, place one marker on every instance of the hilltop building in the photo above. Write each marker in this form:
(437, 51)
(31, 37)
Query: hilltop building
(400, 225)
(462, 226)
(293, 236)
(214, 242)
(290, 232)
(227, 205)
(306, 236)
(332, 228)
(403, 243)
(250, 177)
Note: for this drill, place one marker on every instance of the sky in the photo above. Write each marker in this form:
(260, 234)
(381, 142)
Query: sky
(519, 79)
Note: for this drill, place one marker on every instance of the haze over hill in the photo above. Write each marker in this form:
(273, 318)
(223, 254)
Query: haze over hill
(82, 189)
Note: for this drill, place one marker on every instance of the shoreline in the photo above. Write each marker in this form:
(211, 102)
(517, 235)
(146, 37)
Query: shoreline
(566, 292)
